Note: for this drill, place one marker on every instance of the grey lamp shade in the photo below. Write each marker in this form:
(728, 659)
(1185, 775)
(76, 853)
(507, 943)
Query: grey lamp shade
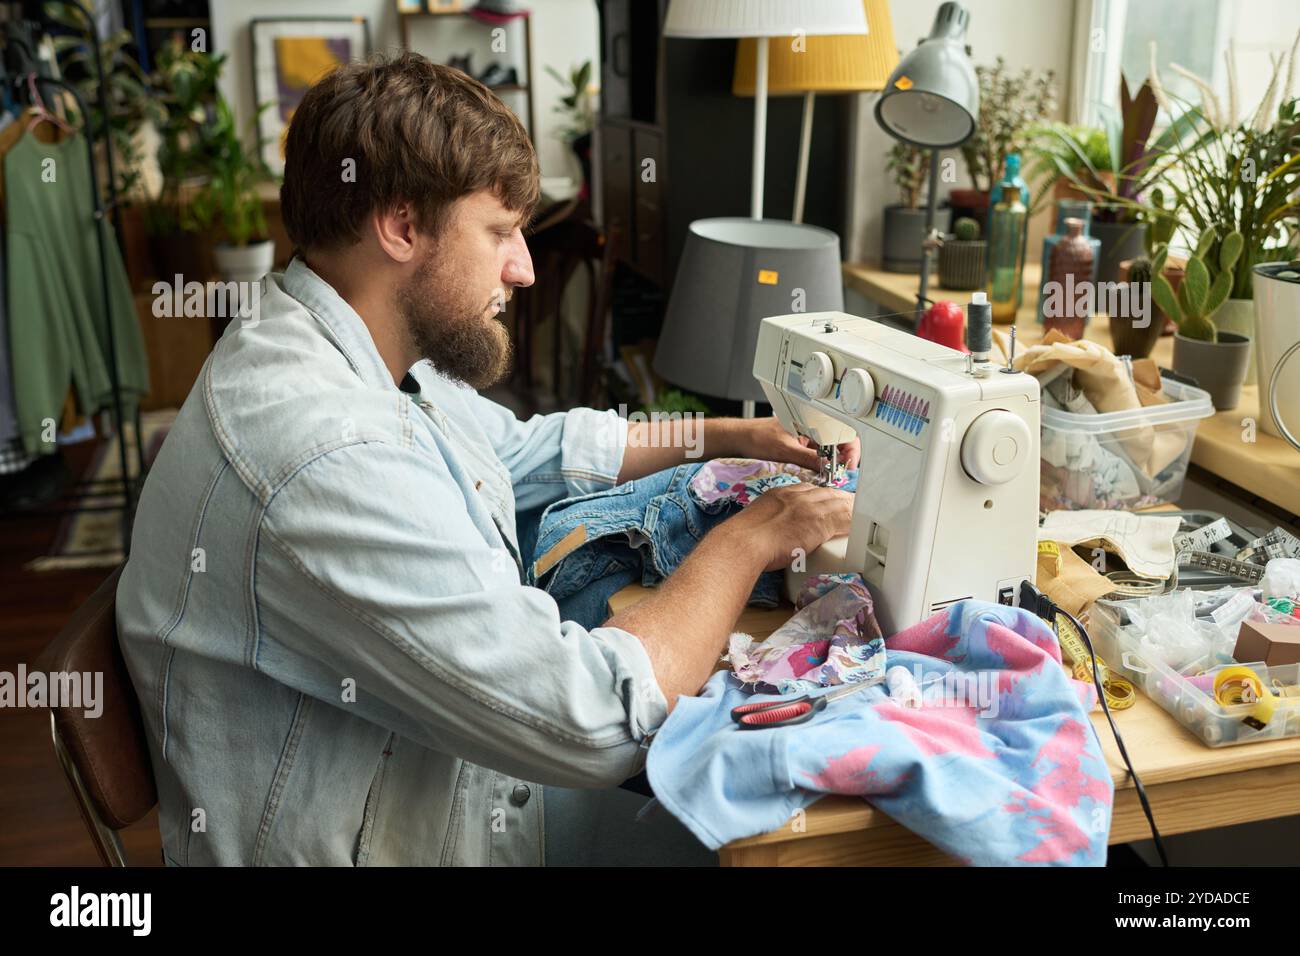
(733, 273)
(932, 98)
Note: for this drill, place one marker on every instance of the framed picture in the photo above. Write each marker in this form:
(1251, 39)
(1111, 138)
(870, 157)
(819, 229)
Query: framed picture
(289, 55)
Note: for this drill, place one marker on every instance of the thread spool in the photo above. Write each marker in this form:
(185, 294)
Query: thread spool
(979, 326)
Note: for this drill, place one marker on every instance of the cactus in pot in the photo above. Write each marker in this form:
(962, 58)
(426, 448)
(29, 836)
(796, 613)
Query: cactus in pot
(962, 257)
(1206, 284)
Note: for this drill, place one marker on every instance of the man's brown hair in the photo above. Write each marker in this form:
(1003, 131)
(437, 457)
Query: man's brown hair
(415, 132)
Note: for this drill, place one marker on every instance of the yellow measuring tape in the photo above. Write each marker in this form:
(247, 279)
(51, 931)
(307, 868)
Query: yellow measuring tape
(1241, 685)
(1118, 690)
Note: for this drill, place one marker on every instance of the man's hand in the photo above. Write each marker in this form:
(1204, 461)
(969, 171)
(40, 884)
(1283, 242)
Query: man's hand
(794, 518)
(766, 438)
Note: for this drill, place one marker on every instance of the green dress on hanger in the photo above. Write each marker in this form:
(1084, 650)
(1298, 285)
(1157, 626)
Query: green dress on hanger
(58, 335)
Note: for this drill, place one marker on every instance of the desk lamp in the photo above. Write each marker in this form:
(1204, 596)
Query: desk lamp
(932, 100)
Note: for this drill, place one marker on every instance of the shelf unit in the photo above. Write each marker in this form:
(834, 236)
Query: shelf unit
(526, 70)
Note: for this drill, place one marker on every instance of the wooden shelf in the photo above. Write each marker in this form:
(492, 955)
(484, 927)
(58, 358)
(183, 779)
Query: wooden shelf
(1268, 467)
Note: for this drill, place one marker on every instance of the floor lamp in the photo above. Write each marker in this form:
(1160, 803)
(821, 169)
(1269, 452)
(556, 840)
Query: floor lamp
(826, 64)
(709, 331)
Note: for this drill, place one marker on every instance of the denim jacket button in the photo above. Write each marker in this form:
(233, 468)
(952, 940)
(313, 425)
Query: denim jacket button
(519, 796)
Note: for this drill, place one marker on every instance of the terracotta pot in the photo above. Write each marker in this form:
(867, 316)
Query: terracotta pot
(1064, 189)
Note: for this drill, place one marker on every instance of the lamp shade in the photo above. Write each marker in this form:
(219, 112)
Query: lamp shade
(733, 273)
(932, 98)
(824, 64)
(704, 19)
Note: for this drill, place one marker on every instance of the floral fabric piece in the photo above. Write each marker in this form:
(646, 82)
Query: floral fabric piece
(833, 639)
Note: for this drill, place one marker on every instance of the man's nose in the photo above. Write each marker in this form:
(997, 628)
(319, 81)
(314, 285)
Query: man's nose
(518, 269)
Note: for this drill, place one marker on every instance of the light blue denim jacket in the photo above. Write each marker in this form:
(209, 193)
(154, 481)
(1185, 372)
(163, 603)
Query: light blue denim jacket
(324, 618)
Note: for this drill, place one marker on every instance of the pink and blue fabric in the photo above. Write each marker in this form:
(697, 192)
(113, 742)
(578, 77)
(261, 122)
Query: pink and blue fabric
(1000, 766)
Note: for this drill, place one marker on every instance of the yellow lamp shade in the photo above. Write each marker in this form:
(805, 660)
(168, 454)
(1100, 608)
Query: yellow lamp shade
(824, 64)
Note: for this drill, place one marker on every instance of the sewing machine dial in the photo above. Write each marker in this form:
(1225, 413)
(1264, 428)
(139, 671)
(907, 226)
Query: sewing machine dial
(857, 392)
(818, 376)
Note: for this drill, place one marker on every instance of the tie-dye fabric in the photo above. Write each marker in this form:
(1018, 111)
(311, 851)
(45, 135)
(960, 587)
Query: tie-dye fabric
(833, 639)
(723, 480)
(1001, 765)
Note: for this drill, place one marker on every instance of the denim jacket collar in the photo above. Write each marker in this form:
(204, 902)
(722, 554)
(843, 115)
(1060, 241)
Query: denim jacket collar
(346, 327)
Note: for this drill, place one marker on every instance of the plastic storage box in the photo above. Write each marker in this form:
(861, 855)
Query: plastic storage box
(1217, 725)
(1120, 460)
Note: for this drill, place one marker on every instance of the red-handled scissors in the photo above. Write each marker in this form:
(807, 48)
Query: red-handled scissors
(784, 713)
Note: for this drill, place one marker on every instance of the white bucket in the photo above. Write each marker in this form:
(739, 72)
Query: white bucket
(1277, 328)
(245, 263)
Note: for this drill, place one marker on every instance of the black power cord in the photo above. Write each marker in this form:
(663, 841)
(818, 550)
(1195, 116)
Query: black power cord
(1034, 600)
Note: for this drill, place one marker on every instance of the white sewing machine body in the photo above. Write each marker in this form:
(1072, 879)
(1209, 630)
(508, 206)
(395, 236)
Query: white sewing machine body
(947, 500)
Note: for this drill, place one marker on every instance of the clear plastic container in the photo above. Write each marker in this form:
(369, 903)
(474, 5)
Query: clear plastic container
(1178, 693)
(1120, 460)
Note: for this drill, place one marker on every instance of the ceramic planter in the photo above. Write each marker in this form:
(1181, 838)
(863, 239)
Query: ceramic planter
(1218, 367)
(904, 233)
(1238, 316)
(1277, 329)
(962, 264)
(1119, 241)
(244, 263)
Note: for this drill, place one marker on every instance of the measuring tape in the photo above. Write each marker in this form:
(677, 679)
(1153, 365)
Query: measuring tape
(1254, 573)
(1119, 692)
(1241, 685)
(1278, 543)
(1202, 538)
(1128, 584)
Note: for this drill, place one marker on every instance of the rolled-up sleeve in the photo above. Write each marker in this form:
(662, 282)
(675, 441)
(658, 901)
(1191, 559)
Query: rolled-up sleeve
(557, 455)
(371, 568)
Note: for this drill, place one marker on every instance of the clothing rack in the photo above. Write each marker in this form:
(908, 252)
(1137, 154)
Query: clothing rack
(79, 498)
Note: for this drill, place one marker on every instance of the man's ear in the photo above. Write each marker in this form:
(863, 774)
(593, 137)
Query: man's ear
(395, 231)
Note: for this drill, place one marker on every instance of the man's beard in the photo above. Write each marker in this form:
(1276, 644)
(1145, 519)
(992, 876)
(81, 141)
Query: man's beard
(452, 332)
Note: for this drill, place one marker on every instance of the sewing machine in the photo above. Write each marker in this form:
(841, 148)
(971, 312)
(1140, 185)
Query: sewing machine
(947, 500)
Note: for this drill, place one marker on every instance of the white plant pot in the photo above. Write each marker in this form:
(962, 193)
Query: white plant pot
(1238, 316)
(1277, 326)
(244, 263)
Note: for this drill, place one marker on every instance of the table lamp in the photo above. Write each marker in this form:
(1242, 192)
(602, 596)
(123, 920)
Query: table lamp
(761, 19)
(932, 101)
(824, 64)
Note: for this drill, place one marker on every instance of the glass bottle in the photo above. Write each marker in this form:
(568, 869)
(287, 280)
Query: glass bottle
(1008, 220)
(1080, 209)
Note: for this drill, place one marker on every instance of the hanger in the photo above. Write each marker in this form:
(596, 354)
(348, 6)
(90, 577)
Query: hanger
(40, 114)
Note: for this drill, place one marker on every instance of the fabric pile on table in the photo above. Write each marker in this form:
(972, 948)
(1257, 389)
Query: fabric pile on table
(999, 766)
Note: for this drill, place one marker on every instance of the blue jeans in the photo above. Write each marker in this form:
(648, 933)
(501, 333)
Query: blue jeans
(641, 530)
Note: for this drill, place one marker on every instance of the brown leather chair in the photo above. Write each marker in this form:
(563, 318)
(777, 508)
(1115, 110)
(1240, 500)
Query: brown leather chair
(106, 758)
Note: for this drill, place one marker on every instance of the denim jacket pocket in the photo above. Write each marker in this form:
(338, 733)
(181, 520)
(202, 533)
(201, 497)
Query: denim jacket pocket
(362, 854)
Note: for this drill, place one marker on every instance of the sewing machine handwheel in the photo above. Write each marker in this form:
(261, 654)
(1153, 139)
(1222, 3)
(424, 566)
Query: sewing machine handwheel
(995, 447)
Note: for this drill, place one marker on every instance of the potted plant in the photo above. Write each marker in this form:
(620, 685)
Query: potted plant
(185, 84)
(1113, 166)
(904, 222)
(576, 107)
(1010, 105)
(962, 257)
(1136, 334)
(230, 204)
(1216, 359)
(1240, 174)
